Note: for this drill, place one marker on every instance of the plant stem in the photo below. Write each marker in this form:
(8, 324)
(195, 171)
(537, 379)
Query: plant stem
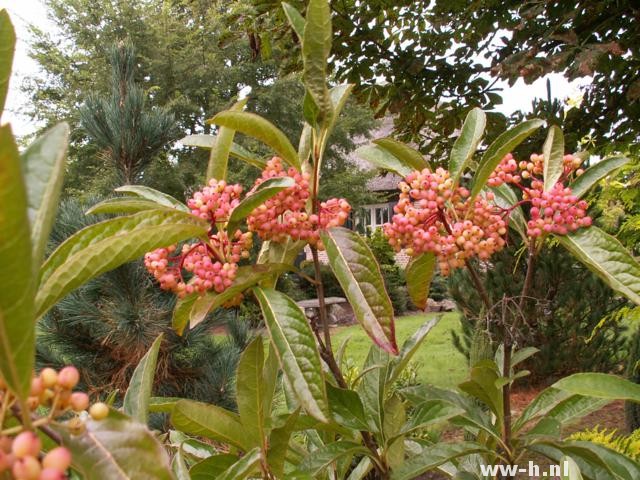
(475, 278)
(43, 428)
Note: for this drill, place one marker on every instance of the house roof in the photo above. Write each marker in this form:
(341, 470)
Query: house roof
(384, 182)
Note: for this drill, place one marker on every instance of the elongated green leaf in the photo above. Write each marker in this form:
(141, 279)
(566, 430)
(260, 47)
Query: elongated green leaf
(211, 468)
(467, 143)
(384, 159)
(162, 404)
(136, 400)
(359, 274)
(192, 448)
(43, 166)
(254, 199)
(418, 274)
(106, 245)
(433, 457)
(606, 257)
(595, 173)
(410, 347)
(339, 96)
(316, 46)
(572, 471)
(296, 20)
(244, 467)
(296, 348)
(153, 195)
(540, 406)
(16, 257)
(208, 141)
(502, 145)
(373, 387)
(219, 156)
(482, 385)
(505, 197)
(600, 385)
(7, 48)
(179, 466)
(261, 129)
(574, 408)
(193, 310)
(279, 445)
(521, 355)
(395, 416)
(208, 421)
(346, 408)
(403, 152)
(124, 205)
(553, 152)
(117, 448)
(251, 393)
(319, 460)
(429, 413)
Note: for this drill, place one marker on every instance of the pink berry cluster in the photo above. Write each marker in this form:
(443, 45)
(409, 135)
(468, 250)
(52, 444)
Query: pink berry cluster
(555, 211)
(433, 216)
(285, 215)
(213, 264)
(20, 448)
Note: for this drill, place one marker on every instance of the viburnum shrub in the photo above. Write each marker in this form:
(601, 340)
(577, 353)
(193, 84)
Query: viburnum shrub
(327, 428)
(51, 402)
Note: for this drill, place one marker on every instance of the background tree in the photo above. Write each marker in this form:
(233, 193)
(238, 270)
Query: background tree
(429, 63)
(128, 134)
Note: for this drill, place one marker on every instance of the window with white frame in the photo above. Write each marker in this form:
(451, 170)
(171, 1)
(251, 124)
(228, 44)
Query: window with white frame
(374, 216)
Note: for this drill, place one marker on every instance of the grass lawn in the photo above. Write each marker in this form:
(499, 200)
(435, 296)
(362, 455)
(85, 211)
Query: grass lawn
(439, 362)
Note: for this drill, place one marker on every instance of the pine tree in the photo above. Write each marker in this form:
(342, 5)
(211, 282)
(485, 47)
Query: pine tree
(129, 134)
(105, 327)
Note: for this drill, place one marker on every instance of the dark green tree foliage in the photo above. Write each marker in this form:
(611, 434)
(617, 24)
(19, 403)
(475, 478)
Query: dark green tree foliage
(568, 322)
(128, 133)
(392, 273)
(632, 409)
(439, 59)
(106, 326)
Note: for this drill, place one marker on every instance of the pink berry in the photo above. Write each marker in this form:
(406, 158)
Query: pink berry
(26, 444)
(58, 459)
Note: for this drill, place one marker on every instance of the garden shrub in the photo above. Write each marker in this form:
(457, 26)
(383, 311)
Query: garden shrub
(628, 445)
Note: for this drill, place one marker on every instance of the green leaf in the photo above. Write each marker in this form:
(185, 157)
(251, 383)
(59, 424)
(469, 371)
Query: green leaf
(553, 153)
(467, 143)
(482, 386)
(251, 394)
(247, 276)
(358, 272)
(279, 445)
(116, 448)
(255, 198)
(403, 152)
(104, 246)
(502, 145)
(429, 413)
(261, 129)
(219, 155)
(373, 387)
(574, 408)
(339, 96)
(521, 355)
(136, 400)
(316, 46)
(17, 335)
(208, 421)
(395, 417)
(182, 312)
(208, 141)
(572, 471)
(540, 406)
(383, 159)
(595, 173)
(154, 195)
(162, 404)
(606, 257)
(296, 20)
(418, 274)
(600, 385)
(211, 468)
(410, 347)
(7, 48)
(243, 467)
(179, 466)
(43, 167)
(296, 348)
(505, 197)
(346, 408)
(124, 205)
(320, 459)
(433, 457)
